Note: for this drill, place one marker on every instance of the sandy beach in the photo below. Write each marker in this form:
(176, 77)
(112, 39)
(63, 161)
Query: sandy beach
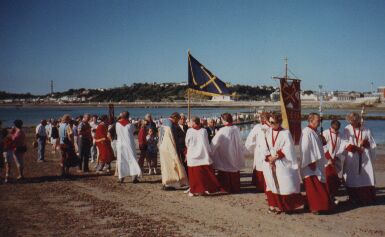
(96, 205)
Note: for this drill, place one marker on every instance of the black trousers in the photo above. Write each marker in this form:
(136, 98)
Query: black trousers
(84, 153)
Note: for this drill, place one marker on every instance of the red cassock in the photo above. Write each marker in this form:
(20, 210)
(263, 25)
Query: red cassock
(106, 154)
(285, 202)
(258, 180)
(317, 194)
(230, 181)
(202, 179)
(332, 180)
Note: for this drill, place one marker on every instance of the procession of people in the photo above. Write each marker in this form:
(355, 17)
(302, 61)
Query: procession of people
(206, 156)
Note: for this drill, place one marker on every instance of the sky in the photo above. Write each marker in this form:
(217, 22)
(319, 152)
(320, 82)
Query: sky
(103, 44)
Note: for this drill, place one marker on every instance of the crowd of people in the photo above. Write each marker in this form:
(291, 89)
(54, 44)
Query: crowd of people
(205, 156)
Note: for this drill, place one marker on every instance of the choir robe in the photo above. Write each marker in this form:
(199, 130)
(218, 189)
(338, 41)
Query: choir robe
(287, 196)
(255, 141)
(360, 186)
(106, 154)
(312, 168)
(228, 157)
(126, 162)
(334, 153)
(201, 175)
(173, 172)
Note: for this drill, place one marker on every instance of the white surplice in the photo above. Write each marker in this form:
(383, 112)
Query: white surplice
(198, 147)
(286, 168)
(351, 164)
(228, 150)
(255, 142)
(339, 150)
(126, 162)
(311, 150)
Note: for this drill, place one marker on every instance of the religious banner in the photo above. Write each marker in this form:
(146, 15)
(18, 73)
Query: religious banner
(202, 81)
(291, 107)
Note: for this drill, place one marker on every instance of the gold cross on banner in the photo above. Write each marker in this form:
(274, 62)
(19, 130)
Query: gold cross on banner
(212, 80)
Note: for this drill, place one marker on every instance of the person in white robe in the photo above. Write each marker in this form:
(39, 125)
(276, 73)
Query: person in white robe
(358, 170)
(280, 169)
(202, 178)
(334, 153)
(312, 163)
(228, 154)
(173, 173)
(254, 143)
(126, 163)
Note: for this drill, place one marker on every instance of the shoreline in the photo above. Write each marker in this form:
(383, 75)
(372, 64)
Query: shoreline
(199, 104)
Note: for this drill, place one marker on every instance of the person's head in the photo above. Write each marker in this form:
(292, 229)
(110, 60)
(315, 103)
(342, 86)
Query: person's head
(227, 118)
(174, 117)
(148, 117)
(195, 121)
(18, 123)
(86, 118)
(264, 117)
(210, 122)
(79, 118)
(43, 122)
(125, 115)
(66, 118)
(104, 118)
(182, 120)
(275, 120)
(335, 124)
(314, 120)
(4, 132)
(94, 118)
(354, 119)
(150, 131)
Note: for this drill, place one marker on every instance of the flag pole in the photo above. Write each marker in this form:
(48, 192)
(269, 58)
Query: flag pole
(188, 93)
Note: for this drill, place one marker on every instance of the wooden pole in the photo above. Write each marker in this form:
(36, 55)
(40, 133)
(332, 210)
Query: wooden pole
(188, 90)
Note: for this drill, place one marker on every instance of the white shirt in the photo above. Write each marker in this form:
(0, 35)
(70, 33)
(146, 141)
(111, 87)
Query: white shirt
(40, 130)
(228, 150)
(198, 147)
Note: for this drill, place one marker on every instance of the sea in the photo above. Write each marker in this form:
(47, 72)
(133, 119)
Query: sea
(32, 115)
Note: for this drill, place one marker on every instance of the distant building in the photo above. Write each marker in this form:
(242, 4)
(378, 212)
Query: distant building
(275, 96)
(381, 93)
(218, 98)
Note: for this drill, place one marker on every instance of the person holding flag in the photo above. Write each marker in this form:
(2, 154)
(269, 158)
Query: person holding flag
(358, 169)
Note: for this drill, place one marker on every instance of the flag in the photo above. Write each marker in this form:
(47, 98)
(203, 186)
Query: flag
(291, 107)
(202, 81)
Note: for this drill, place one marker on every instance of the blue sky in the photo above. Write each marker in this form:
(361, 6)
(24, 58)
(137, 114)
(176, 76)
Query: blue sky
(100, 43)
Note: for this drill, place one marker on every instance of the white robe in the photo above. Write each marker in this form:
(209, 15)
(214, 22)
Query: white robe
(311, 149)
(286, 167)
(351, 164)
(255, 142)
(228, 150)
(126, 162)
(339, 149)
(198, 147)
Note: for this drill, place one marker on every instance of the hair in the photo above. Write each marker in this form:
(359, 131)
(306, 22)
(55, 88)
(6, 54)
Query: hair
(175, 115)
(335, 122)
(227, 117)
(183, 116)
(104, 117)
(125, 115)
(265, 115)
(18, 123)
(353, 117)
(4, 132)
(66, 118)
(312, 116)
(196, 120)
(276, 116)
(148, 116)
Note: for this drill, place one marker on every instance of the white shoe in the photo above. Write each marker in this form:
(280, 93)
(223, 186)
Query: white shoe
(155, 171)
(149, 171)
(187, 191)
(190, 194)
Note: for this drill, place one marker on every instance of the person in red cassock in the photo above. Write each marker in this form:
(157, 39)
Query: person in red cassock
(103, 143)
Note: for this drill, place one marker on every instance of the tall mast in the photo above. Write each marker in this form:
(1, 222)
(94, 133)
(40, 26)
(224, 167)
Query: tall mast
(286, 68)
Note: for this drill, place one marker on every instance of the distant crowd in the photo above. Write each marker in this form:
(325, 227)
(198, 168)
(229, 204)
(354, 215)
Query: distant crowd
(205, 156)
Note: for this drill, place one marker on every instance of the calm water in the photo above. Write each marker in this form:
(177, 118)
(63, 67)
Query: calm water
(32, 116)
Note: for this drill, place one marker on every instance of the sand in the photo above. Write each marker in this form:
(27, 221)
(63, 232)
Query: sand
(96, 205)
